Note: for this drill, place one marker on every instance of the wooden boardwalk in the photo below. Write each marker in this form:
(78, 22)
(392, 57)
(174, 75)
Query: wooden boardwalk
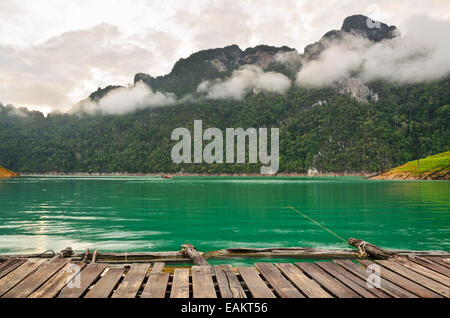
(63, 278)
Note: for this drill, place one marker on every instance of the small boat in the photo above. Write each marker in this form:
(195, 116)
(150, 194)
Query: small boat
(166, 177)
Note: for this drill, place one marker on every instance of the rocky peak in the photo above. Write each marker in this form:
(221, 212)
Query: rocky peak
(360, 25)
(373, 30)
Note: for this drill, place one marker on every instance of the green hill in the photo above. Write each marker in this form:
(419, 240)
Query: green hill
(436, 167)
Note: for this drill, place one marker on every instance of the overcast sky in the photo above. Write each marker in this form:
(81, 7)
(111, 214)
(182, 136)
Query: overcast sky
(55, 52)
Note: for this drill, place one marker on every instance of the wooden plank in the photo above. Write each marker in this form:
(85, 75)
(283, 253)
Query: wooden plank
(9, 265)
(180, 283)
(156, 285)
(439, 260)
(202, 283)
(278, 282)
(386, 285)
(36, 279)
(86, 278)
(442, 279)
(158, 267)
(307, 286)
(350, 280)
(132, 282)
(105, 286)
(402, 281)
(328, 282)
(16, 276)
(229, 285)
(55, 284)
(432, 265)
(416, 277)
(235, 285)
(256, 286)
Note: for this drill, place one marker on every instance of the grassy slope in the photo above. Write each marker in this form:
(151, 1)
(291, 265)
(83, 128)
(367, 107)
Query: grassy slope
(431, 167)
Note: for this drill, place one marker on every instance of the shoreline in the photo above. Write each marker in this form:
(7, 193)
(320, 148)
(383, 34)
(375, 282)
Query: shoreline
(183, 174)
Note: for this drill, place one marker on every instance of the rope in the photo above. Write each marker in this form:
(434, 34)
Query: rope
(39, 255)
(317, 223)
(362, 249)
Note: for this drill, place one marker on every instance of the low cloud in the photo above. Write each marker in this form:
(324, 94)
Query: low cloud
(244, 80)
(126, 99)
(66, 68)
(421, 54)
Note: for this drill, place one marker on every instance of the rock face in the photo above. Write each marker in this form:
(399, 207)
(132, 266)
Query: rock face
(5, 173)
(366, 27)
(357, 25)
(188, 73)
(357, 89)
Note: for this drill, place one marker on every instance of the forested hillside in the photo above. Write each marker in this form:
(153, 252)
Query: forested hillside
(348, 125)
(341, 134)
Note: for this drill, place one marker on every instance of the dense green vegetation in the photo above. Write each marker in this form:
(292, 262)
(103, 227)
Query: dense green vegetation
(437, 166)
(340, 135)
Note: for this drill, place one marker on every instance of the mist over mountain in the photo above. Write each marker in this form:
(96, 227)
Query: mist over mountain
(361, 51)
(362, 98)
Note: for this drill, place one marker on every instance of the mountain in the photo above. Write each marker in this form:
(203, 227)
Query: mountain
(219, 63)
(350, 125)
(359, 25)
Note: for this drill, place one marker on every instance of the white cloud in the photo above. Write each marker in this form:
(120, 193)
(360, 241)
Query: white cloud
(421, 54)
(243, 80)
(55, 52)
(65, 69)
(127, 99)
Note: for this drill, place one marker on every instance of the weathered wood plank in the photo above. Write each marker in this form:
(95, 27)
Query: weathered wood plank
(416, 277)
(105, 286)
(229, 285)
(85, 278)
(432, 265)
(19, 274)
(156, 285)
(439, 260)
(202, 283)
(387, 286)
(158, 267)
(328, 282)
(278, 282)
(401, 281)
(9, 265)
(307, 286)
(256, 286)
(442, 279)
(180, 283)
(132, 282)
(55, 284)
(353, 283)
(36, 279)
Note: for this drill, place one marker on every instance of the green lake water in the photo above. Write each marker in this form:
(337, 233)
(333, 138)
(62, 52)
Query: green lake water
(152, 214)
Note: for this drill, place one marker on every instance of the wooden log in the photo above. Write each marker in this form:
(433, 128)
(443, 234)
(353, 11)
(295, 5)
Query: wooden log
(280, 252)
(94, 256)
(190, 251)
(85, 259)
(371, 250)
(64, 253)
